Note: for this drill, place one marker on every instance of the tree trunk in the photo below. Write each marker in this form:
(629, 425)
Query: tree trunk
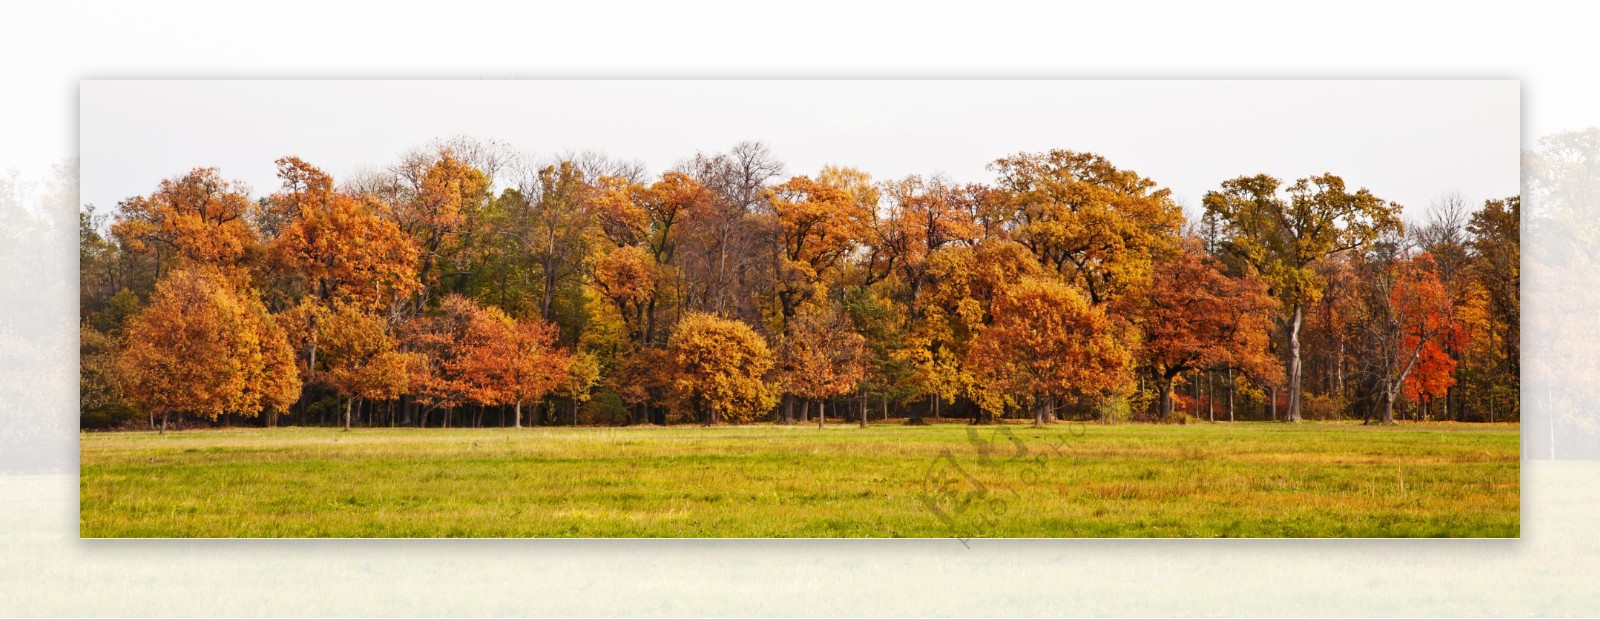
(788, 408)
(518, 416)
(1194, 379)
(1230, 394)
(863, 410)
(822, 414)
(1166, 398)
(347, 405)
(1292, 414)
(1388, 405)
(1038, 412)
(163, 423)
(1211, 396)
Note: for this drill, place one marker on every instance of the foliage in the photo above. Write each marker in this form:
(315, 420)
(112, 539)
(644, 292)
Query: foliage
(1285, 237)
(204, 348)
(719, 369)
(466, 277)
(823, 356)
(1048, 341)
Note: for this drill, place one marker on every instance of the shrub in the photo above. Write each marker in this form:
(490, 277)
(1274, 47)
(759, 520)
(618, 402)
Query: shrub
(1321, 407)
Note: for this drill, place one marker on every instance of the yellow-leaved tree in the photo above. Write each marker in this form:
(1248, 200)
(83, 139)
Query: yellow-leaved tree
(720, 369)
(362, 359)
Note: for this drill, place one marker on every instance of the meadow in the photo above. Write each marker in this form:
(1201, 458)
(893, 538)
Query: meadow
(889, 480)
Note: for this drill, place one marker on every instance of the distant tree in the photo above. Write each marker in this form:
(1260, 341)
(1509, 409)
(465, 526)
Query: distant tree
(439, 341)
(577, 383)
(823, 357)
(196, 219)
(1048, 341)
(1284, 237)
(1418, 322)
(554, 232)
(1195, 317)
(720, 369)
(363, 361)
(919, 216)
(1497, 245)
(964, 283)
(643, 378)
(1097, 225)
(724, 239)
(438, 200)
(204, 348)
(820, 223)
(341, 246)
(505, 361)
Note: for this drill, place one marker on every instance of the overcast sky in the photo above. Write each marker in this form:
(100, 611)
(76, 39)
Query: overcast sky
(1408, 141)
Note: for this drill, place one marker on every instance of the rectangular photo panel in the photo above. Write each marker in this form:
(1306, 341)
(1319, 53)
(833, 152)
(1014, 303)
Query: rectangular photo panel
(799, 309)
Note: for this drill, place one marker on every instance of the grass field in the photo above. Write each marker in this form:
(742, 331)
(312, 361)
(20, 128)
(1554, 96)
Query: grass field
(954, 480)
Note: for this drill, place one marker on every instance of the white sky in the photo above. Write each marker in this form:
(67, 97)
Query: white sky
(1408, 141)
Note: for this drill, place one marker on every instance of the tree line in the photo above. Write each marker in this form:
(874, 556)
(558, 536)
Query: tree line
(468, 285)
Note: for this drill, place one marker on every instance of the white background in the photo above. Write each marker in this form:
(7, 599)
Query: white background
(47, 48)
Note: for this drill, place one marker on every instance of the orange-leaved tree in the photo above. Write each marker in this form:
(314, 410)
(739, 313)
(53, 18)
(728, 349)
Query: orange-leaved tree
(1048, 341)
(196, 219)
(963, 284)
(823, 356)
(342, 247)
(506, 361)
(1097, 225)
(438, 339)
(1424, 320)
(820, 222)
(1195, 317)
(203, 347)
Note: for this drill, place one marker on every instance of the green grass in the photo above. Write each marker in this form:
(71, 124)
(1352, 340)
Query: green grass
(1074, 480)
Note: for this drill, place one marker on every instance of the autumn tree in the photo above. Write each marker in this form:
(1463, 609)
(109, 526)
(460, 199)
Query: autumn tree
(202, 347)
(1097, 225)
(506, 361)
(964, 283)
(643, 379)
(438, 339)
(362, 359)
(196, 219)
(342, 247)
(1047, 341)
(1411, 321)
(1195, 317)
(820, 223)
(555, 215)
(637, 269)
(822, 357)
(438, 201)
(920, 216)
(1496, 243)
(1284, 235)
(720, 368)
(1434, 373)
